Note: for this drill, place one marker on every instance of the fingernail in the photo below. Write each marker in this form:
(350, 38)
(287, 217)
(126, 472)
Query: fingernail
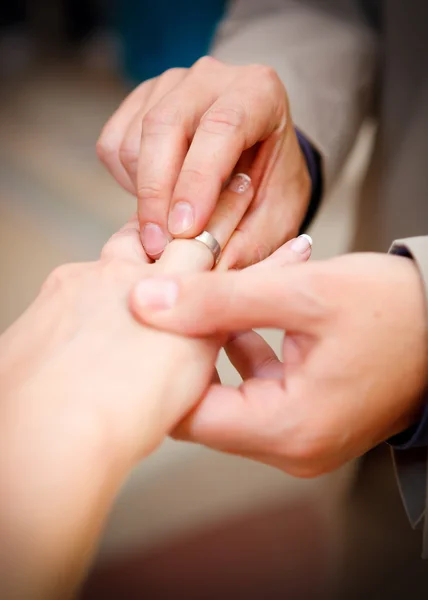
(156, 294)
(153, 238)
(239, 183)
(180, 218)
(302, 243)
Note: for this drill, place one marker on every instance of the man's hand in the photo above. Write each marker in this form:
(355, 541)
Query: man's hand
(354, 357)
(177, 139)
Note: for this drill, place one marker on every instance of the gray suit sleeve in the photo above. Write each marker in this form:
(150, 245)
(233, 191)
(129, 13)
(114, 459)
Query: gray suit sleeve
(326, 55)
(411, 465)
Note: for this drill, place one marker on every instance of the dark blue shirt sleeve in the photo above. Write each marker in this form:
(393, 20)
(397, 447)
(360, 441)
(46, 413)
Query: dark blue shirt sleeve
(314, 163)
(414, 437)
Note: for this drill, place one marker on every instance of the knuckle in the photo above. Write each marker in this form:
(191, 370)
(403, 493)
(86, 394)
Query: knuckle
(207, 63)
(62, 278)
(112, 255)
(120, 255)
(193, 175)
(160, 119)
(223, 120)
(150, 190)
(265, 74)
(174, 73)
(128, 155)
(110, 250)
(106, 147)
(269, 87)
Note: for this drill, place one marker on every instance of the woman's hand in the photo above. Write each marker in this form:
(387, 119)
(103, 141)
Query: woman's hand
(85, 393)
(354, 357)
(176, 140)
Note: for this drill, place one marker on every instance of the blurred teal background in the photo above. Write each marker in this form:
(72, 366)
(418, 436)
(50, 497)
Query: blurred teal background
(161, 34)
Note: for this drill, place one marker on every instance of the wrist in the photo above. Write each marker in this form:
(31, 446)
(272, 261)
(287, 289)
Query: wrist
(59, 479)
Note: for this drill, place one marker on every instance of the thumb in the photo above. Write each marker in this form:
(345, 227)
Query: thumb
(216, 302)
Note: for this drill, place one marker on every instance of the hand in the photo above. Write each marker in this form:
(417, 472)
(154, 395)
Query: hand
(84, 306)
(354, 357)
(176, 140)
(86, 392)
(77, 351)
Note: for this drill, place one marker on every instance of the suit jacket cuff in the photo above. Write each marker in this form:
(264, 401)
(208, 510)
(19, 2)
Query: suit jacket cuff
(410, 448)
(417, 435)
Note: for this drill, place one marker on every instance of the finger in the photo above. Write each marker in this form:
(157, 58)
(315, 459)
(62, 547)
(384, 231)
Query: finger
(167, 130)
(191, 256)
(293, 252)
(182, 257)
(242, 421)
(234, 123)
(129, 151)
(252, 356)
(208, 303)
(126, 243)
(231, 206)
(111, 137)
(260, 420)
(283, 187)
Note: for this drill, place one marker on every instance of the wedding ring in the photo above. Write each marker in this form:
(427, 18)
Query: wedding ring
(211, 243)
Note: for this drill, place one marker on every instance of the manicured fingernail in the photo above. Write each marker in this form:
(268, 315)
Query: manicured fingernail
(153, 238)
(239, 183)
(156, 294)
(180, 218)
(302, 243)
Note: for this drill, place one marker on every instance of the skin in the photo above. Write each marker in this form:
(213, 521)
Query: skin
(177, 139)
(86, 393)
(354, 357)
